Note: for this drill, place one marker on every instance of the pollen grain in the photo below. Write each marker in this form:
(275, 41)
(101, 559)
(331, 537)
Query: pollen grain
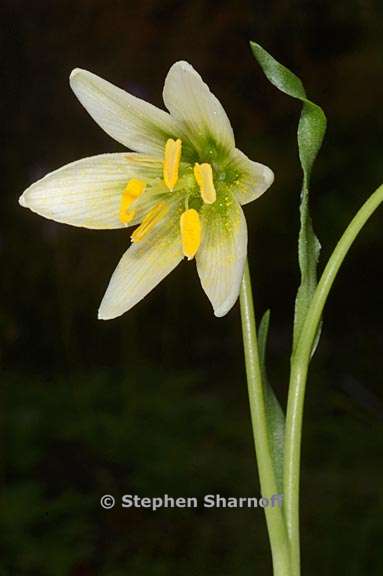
(190, 225)
(203, 174)
(172, 158)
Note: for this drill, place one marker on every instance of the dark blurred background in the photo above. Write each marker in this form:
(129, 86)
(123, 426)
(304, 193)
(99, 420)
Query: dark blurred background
(155, 401)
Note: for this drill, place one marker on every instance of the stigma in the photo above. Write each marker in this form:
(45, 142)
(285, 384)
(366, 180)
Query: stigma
(132, 191)
(203, 173)
(172, 158)
(150, 220)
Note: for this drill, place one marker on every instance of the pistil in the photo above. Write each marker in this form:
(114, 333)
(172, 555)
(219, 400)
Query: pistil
(150, 220)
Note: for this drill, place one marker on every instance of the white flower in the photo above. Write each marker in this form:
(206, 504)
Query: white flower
(184, 186)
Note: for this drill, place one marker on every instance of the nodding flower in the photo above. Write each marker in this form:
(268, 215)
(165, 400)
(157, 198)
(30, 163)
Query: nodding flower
(182, 188)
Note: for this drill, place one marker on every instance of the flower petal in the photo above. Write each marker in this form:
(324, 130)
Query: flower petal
(142, 267)
(253, 178)
(88, 192)
(221, 257)
(129, 120)
(190, 101)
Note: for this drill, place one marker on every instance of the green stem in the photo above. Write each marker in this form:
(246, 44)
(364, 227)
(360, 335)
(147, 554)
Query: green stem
(298, 375)
(274, 517)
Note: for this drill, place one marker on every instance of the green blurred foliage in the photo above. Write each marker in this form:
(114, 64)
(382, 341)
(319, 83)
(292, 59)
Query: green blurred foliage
(71, 439)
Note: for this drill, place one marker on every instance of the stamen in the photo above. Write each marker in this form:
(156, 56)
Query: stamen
(132, 191)
(203, 173)
(190, 225)
(172, 162)
(151, 219)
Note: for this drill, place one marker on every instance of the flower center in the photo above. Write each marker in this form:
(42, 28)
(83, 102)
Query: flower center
(190, 222)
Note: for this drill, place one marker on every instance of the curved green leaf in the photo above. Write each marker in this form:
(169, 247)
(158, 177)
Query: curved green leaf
(311, 131)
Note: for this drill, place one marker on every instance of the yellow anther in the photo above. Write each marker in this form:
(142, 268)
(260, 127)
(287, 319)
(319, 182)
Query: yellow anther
(172, 162)
(203, 173)
(190, 225)
(151, 219)
(132, 191)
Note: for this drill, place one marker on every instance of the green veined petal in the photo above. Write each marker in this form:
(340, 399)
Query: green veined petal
(143, 266)
(131, 121)
(221, 257)
(88, 192)
(190, 101)
(253, 178)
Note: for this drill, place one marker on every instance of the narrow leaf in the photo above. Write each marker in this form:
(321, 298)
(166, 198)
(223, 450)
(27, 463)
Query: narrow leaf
(311, 131)
(263, 333)
(274, 413)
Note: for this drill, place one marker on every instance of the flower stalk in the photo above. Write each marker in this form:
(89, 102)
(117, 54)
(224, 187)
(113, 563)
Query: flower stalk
(299, 368)
(274, 516)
